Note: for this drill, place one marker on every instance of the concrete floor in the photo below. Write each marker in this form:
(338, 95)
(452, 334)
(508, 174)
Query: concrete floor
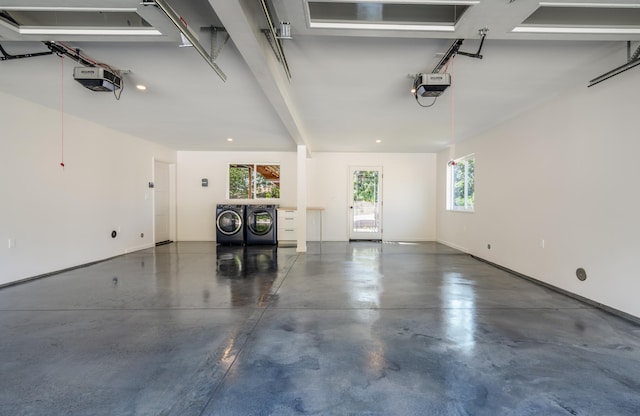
(346, 329)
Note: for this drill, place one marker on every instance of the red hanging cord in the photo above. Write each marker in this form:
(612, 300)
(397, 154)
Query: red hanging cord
(62, 110)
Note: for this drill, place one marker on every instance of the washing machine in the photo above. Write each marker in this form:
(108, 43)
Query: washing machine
(260, 224)
(229, 224)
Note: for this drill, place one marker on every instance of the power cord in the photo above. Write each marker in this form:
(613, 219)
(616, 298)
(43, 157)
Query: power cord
(422, 105)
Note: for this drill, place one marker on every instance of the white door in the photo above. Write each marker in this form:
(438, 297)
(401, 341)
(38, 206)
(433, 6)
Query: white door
(365, 199)
(162, 202)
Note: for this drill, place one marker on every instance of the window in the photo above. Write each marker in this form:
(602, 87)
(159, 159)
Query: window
(252, 181)
(461, 184)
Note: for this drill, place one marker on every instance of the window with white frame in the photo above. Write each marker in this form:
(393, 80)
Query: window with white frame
(254, 181)
(461, 184)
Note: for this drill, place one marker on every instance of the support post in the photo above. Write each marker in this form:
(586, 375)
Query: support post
(301, 215)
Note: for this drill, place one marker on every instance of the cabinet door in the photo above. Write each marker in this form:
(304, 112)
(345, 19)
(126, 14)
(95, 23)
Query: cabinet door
(287, 225)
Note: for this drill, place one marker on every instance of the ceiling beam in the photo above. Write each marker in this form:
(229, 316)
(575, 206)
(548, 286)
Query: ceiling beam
(244, 22)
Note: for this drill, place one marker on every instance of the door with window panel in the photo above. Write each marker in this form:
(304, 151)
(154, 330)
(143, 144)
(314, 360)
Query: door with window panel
(365, 203)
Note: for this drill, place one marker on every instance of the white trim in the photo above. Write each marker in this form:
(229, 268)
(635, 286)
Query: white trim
(467, 210)
(68, 9)
(88, 32)
(381, 26)
(452, 245)
(450, 206)
(138, 248)
(442, 2)
(301, 199)
(252, 191)
(603, 5)
(173, 201)
(354, 235)
(577, 30)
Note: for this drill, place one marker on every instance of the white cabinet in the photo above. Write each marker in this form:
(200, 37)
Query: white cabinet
(287, 225)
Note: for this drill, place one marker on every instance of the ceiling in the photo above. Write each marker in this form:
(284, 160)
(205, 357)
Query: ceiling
(349, 88)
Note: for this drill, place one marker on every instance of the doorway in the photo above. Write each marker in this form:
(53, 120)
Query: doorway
(365, 199)
(164, 213)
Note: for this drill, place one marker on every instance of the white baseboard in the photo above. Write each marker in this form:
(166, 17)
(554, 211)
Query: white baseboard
(452, 245)
(143, 247)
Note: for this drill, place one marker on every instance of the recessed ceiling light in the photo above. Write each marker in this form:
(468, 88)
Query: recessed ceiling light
(141, 87)
(229, 139)
(378, 141)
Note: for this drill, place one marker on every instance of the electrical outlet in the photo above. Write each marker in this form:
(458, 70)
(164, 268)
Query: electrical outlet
(542, 243)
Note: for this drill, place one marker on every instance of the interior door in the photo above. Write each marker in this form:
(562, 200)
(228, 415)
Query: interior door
(162, 202)
(365, 209)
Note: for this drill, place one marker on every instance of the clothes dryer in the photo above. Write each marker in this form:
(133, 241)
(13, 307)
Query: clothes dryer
(260, 224)
(229, 224)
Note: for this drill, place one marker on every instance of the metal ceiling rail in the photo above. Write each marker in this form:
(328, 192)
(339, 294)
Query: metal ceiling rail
(454, 49)
(632, 61)
(6, 56)
(184, 29)
(54, 47)
(450, 53)
(272, 36)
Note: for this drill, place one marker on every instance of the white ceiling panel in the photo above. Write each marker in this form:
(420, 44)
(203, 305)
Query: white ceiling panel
(348, 88)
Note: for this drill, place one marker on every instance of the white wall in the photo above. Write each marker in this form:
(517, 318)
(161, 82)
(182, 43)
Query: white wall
(408, 191)
(197, 205)
(565, 173)
(408, 212)
(60, 218)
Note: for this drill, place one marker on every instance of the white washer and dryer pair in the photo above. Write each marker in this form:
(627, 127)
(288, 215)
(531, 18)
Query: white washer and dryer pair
(246, 224)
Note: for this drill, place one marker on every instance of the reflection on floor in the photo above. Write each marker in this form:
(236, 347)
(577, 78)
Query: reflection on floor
(250, 271)
(345, 329)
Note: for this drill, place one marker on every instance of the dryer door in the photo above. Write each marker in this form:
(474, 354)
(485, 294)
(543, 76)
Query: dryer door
(260, 222)
(229, 222)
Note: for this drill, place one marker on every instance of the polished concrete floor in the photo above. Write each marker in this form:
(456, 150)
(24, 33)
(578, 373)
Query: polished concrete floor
(345, 329)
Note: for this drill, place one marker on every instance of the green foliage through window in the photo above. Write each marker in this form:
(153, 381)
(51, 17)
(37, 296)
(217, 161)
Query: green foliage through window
(252, 181)
(366, 186)
(462, 184)
(239, 181)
